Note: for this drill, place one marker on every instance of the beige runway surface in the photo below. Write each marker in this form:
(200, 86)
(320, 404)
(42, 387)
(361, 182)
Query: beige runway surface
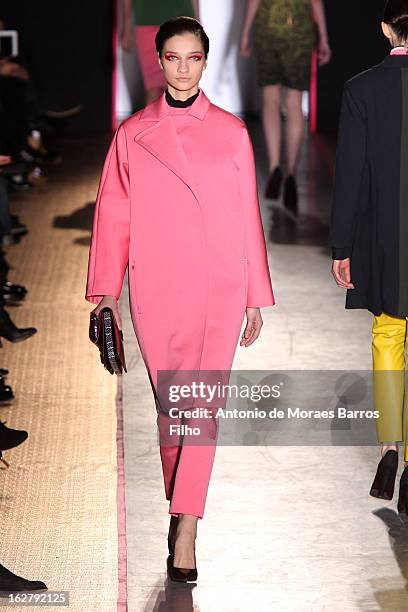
(58, 498)
(286, 528)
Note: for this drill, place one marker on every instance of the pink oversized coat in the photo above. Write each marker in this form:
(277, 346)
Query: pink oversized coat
(178, 202)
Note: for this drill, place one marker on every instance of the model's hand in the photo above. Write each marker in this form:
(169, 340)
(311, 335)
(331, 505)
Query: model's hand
(245, 47)
(324, 52)
(253, 326)
(341, 273)
(110, 302)
(127, 39)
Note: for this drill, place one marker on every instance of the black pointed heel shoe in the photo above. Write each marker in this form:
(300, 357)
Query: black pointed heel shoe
(403, 492)
(10, 331)
(177, 575)
(290, 198)
(384, 481)
(273, 186)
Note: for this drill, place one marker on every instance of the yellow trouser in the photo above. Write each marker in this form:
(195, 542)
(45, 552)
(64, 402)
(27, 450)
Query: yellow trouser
(389, 364)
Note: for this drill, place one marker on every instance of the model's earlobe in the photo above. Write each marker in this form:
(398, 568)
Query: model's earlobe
(386, 30)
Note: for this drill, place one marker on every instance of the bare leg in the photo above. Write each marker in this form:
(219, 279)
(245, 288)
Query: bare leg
(185, 540)
(386, 446)
(295, 129)
(271, 119)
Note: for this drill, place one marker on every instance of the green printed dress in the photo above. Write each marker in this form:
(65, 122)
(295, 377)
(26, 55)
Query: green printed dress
(285, 36)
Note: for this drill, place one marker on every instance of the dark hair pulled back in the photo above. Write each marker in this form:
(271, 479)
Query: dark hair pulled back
(396, 15)
(181, 25)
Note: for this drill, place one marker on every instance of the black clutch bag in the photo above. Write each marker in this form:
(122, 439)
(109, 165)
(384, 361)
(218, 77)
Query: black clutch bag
(105, 333)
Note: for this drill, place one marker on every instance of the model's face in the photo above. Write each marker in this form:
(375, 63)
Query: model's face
(183, 61)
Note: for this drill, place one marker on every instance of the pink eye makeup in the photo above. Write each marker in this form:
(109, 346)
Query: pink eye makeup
(196, 57)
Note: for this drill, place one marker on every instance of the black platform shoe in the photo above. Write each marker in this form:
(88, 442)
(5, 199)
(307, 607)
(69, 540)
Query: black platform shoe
(290, 198)
(11, 583)
(384, 481)
(272, 190)
(10, 332)
(10, 438)
(177, 575)
(403, 492)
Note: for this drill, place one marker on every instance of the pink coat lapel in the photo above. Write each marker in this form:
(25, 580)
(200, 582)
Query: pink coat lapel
(161, 139)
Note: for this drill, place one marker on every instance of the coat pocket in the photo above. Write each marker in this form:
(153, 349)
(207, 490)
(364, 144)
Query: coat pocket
(133, 290)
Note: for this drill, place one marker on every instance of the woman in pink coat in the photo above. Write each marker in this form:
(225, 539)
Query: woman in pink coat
(178, 202)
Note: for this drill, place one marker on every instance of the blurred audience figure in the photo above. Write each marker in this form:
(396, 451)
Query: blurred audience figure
(149, 15)
(19, 103)
(285, 35)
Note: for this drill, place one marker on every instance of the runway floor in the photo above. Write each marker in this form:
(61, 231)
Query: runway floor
(58, 498)
(285, 527)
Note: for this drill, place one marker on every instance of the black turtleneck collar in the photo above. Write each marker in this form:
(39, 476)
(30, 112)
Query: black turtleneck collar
(180, 103)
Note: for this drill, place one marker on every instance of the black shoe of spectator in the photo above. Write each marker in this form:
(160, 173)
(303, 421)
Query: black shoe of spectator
(19, 182)
(11, 332)
(10, 438)
(18, 229)
(6, 392)
(11, 583)
(3, 372)
(13, 293)
(40, 156)
(37, 176)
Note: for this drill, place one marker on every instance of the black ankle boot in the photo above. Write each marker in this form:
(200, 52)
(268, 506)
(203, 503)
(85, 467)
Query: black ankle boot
(11, 583)
(290, 198)
(403, 492)
(384, 481)
(10, 438)
(10, 332)
(272, 190)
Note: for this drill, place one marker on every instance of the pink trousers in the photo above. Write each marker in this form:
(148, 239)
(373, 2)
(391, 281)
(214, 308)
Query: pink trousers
(187, 468)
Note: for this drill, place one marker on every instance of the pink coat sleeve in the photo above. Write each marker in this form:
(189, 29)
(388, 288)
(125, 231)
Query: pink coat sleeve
(109, 250)
(260, 291)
